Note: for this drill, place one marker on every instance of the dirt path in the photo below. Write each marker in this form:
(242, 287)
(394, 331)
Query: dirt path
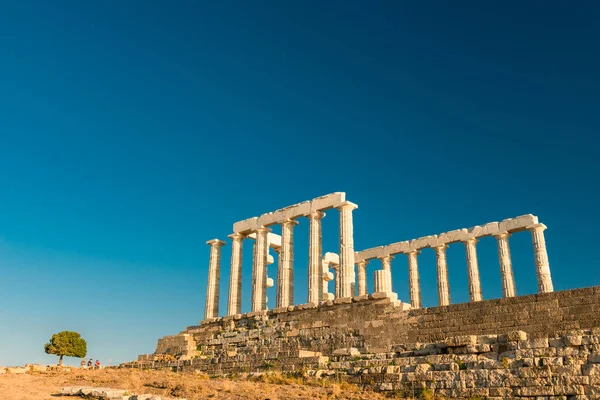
(46, 386)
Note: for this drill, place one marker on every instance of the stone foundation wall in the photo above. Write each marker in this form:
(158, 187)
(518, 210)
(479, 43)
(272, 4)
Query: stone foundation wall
(538, 345)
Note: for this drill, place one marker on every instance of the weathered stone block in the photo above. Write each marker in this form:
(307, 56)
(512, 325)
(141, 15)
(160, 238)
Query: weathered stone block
(369, 254)
(516, 335)
(573, 340)
(307, 306)
(343, 300)
(246, 226)
(568, 390)
(488, 229)
(349, 351)
(452, 236)
(270, 218)
(464, 340)
(518, 223)
(328, 201)
(306, 353)
(591, 369)
(363, 297)
(423, 242)
(534, 343)
(397, 248)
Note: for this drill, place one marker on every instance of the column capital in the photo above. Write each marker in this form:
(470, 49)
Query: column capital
(362, 263)
(289, 222)
(537, 227)
(347, 205)
(237, 236)
(386, 258)
(440, 247)
(502, 235)
(263, 229)
(318, 214)
(416, 252)
(472, 240)
(215, 243)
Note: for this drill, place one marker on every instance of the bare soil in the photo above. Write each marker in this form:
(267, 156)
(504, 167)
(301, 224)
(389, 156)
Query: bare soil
(46, 385)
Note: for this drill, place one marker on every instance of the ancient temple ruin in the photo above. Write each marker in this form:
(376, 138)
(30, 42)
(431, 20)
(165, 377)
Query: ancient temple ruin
(543, 345)
(349, 267)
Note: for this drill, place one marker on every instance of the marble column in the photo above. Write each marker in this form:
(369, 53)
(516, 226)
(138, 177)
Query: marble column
(442, 275)
(473, 270)
(347, 278)
(211, 309)
(508, 280)
(386, 265)
(542, 266)
(381, 279)
(362, 277)
(234, 305)
(259, 269)
(285, 277)
(279, 279)
(315, 257)
(414, 286)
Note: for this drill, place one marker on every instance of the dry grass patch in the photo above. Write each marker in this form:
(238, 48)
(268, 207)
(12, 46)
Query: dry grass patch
(191, 386)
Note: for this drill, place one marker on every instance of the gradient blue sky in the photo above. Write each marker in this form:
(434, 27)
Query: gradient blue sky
(131, 132)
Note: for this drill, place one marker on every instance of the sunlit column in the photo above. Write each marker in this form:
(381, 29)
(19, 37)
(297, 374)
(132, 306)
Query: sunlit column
(234, 305)
(381, 280)
(386, 265)
(211, 309)
(473, 270)
(347, 278)
(542, 266)
(414, 286)
(315, 256)
(259, 269)
(508, 280)
(442, 275)
(286, 274)
(362, 277)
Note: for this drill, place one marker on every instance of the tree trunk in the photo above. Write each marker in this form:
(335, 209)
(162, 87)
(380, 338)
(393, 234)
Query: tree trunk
(60, 361)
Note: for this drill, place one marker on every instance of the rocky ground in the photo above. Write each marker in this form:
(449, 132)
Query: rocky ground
(46, 385)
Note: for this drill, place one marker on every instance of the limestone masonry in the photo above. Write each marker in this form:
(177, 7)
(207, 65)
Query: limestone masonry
(544, 346)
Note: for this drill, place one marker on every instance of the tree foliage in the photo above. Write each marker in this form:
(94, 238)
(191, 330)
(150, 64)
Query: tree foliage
(66, 343)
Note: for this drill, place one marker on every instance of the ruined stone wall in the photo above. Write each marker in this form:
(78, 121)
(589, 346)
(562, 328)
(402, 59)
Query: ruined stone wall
(375, 325)
(539, 345)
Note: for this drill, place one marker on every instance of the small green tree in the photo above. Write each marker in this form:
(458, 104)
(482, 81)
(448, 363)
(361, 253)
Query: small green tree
(66, 343)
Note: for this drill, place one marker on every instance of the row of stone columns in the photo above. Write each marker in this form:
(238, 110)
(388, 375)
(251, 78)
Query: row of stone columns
(345, 282)
(383, 281)
(345, 278)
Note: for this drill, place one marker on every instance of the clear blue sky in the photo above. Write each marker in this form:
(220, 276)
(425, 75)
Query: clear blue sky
(132, 132)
